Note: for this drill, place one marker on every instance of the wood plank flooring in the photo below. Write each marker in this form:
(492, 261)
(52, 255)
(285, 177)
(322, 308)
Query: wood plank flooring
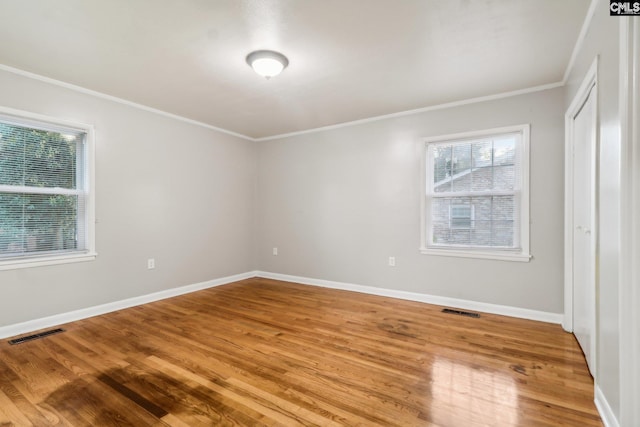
(263, 352)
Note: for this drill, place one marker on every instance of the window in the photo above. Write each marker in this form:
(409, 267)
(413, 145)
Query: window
(46, 202)
(476, 199)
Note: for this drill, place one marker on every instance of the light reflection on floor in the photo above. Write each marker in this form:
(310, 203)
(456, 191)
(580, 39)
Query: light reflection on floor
(464, 395)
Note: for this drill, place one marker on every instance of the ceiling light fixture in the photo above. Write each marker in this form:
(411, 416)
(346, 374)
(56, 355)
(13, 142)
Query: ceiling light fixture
(267, 63)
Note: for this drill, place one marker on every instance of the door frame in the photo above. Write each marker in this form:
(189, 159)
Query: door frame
(629, 308)
(589, 86)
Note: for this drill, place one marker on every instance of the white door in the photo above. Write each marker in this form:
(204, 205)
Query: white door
(584, 291)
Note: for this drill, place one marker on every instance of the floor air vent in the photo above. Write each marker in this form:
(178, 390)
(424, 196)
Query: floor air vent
(35, 336)
(460, 312)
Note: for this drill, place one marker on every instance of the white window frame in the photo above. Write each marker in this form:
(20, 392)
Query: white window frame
(520, 254)
(41, 121)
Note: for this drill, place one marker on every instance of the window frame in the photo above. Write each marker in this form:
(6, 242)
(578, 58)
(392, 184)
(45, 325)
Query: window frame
(40, 121)
(520, 254)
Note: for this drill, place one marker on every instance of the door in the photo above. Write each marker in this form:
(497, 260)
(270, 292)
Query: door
(584, 290)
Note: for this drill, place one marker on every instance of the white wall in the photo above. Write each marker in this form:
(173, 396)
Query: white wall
(166, 189)
(338, 203)
(602, 40)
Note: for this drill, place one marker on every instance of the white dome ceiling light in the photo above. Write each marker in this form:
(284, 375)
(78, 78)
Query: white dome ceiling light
(267, 63)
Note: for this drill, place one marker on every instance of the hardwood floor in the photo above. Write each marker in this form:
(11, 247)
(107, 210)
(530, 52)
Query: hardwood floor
(263, 352)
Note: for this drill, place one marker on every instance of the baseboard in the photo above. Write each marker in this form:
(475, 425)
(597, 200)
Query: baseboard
(504, 310)
(58, 319)
(607, 415)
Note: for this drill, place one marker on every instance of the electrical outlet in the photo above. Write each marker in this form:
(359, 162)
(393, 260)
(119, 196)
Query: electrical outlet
(275, 251)
(151, 263)
(392, 261)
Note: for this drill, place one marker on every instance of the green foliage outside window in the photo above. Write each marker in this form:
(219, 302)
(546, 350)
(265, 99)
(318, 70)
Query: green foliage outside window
(32, 221)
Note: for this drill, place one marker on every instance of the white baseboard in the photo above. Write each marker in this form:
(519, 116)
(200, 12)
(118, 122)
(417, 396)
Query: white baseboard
(504, 310)
(606, 413)
(58, 319)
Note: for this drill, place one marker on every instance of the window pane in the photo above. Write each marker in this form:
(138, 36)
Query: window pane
(503, 208)
(37, 223)
(503, 220)
(460, 237)
(503, 233)
(482, 221)
(442, 159)
(440, 220)
(11, 157)
(461, 215)
(504, 151)
(504, 177)
(479, 166)
(481, 154)
(481, 174)
(482, 179)
(461, 158)
(37, 158)
(461, 178)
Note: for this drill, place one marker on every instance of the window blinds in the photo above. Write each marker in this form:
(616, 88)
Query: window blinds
(42, 189)
(482, 179)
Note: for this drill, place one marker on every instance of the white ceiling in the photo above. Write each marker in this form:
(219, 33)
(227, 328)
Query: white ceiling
(349, 59)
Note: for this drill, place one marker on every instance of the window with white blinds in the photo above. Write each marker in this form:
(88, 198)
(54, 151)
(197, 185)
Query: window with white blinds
(46, 206)
(476, 200)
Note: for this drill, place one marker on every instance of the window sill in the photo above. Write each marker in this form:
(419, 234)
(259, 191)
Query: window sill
(12, 264)
(493, 255)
